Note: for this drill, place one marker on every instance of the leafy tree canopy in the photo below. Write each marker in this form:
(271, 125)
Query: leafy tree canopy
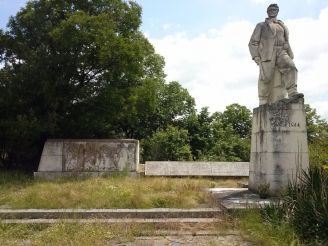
(171, 144)
(80, 69)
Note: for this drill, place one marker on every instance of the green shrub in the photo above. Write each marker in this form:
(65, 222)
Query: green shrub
(304, 207)
(274, 213)
(307, 202)
(265, 233)
(171, 144)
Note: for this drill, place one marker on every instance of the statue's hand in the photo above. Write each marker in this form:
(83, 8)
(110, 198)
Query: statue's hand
(257, 60)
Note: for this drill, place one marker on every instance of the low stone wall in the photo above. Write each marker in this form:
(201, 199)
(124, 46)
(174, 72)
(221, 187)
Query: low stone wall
(183, 168)
(81, 157)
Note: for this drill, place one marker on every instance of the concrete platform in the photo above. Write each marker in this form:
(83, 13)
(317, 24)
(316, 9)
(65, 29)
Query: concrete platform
(239, 198)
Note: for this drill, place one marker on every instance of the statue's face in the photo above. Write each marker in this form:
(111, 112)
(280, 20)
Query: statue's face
(273, 12)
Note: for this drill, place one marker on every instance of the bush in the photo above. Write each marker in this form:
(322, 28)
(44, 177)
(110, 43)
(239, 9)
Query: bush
(304, 207)
(307, 202)
(171, 144)
(274, 213)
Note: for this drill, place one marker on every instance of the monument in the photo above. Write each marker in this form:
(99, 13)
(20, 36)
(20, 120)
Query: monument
(88, 157)
(279, 149)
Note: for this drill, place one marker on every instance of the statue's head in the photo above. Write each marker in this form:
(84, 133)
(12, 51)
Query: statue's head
(273, 10)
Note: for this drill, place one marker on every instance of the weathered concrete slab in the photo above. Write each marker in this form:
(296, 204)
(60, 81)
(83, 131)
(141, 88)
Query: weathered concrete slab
(115, 221)
(231, 239)
(108, 213)
(184, 168)
(279, 149)
(141, 168)
(57, 175)
(83, 157)
(239, 198)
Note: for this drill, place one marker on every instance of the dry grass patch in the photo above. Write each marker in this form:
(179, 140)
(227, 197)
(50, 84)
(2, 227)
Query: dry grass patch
(70, 233)
(109, 192)
(101, 234)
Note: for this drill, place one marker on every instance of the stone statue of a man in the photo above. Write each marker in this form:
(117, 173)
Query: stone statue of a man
(270, 49)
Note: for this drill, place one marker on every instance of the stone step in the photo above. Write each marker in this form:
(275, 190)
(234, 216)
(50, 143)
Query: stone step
(108, 213)
(168, 221)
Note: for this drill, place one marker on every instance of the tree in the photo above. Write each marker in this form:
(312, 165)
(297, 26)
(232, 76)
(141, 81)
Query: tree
(153, 106)
(240, 119)
(226, 143)
(176, 104)
(317, 133)
(171, 144)
(68, 68)
(220, 136)
(316, 127)
(200, 131)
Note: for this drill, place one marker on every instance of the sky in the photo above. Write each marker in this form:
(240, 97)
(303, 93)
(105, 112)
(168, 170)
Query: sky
(205, 46)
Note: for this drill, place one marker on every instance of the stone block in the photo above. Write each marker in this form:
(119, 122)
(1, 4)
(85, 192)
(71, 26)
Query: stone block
(53, 147)
(279, 117)
(184, 168)
(141, 168)
(89, 155)
(279, 141)
(279, 163)
(51, 163)
(279, 148)
(56, 175)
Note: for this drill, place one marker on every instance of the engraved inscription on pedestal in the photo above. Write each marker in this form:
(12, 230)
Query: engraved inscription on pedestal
(279, 115)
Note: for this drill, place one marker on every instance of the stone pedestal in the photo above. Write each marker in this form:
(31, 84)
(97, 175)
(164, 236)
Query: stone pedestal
(279, 149)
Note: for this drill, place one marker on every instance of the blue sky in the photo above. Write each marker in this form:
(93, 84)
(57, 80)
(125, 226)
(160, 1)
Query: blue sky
(196, 16)
(204, 43)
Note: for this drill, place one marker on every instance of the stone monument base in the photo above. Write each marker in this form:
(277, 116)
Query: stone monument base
(279, 149)
(88, 157)
(58, 175)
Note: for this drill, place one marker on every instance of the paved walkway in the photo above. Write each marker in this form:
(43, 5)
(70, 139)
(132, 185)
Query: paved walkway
(108, 213)
(218, 240)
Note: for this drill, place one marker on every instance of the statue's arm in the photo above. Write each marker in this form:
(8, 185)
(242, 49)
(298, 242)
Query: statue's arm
(289, 50)
(254, 42)
(287, 45)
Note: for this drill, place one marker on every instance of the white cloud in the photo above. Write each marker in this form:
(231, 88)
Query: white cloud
(264, 2)
(217, 69)
(310, 45)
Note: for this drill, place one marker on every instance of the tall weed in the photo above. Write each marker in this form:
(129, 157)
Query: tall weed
(304, 207)
(308, 204)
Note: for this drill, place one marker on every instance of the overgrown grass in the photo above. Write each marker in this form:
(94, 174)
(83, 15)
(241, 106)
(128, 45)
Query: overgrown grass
(70, 233)
(306, 205)
(263, 233)
(299, 218)
(17, 191)
(100, 234)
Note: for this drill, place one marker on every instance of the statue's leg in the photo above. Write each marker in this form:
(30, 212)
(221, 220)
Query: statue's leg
(288, 72)
(264, 91)
(265, 80)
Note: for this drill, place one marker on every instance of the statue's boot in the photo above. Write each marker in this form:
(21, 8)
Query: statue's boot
(296, 95)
